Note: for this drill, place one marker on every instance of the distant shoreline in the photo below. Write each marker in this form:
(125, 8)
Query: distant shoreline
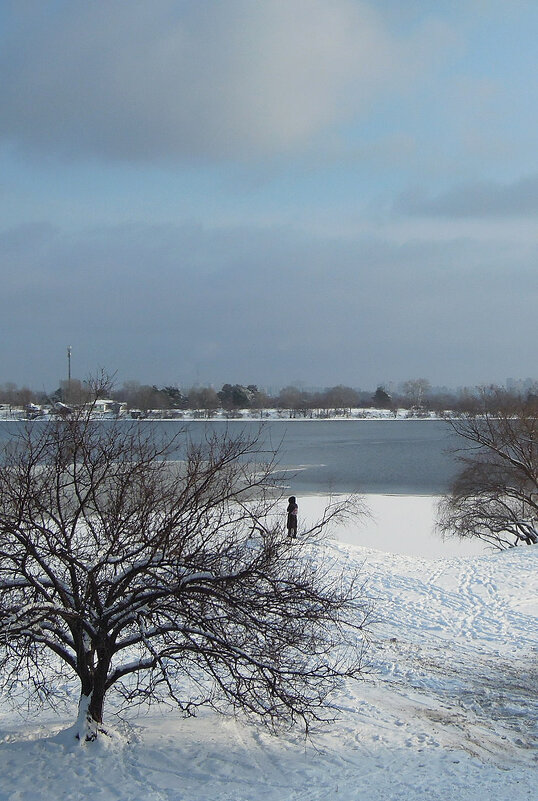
(242, 416)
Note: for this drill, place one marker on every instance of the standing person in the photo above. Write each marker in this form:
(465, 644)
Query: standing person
(292, 510)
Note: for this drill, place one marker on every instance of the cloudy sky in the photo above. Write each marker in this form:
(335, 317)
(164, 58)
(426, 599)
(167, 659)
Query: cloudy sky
(269, 191)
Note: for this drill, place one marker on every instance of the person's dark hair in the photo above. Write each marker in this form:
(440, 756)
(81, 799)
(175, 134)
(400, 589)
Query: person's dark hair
(291, 499)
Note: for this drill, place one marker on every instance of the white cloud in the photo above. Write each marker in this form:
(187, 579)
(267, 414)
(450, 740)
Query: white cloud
(187, 79)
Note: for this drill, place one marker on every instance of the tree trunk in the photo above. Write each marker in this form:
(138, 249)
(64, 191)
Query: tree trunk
(86, 727)
(90, 711)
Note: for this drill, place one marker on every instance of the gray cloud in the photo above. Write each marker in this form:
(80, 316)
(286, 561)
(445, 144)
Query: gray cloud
(480, 199)
(177, 304)
(170, 79)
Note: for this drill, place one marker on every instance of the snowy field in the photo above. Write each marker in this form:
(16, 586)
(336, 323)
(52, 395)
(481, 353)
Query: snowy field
(448, 710)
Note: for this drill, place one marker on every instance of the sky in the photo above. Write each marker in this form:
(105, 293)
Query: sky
(270, 192)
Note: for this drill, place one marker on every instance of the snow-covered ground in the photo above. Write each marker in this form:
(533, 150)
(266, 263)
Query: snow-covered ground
(8, 413)
(403, 524)
(448, 710)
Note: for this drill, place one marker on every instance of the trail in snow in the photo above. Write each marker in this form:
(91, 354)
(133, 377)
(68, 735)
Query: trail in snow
(461, 650)
(447, 710)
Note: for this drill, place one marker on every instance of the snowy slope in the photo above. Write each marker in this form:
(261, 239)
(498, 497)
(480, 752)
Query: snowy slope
(448, 709)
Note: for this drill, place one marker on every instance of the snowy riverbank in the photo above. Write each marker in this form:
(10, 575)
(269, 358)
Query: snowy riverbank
(448, 709)
(12, 413)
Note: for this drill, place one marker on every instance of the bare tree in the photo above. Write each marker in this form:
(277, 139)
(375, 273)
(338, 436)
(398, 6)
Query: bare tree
(204, 398)
(164, 579)
(298, 401)
(14, 396)
(340, 398)
(495, 497)
(416, 390)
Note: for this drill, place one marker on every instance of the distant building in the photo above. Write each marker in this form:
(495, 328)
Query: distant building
(104, 406)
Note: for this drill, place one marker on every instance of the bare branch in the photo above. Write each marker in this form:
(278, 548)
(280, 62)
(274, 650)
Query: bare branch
(137, 561)
(495, 497)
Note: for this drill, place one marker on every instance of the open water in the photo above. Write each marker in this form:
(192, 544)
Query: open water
(409, 457)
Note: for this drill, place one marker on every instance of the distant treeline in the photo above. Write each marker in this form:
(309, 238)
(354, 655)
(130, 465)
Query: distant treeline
(414, 394)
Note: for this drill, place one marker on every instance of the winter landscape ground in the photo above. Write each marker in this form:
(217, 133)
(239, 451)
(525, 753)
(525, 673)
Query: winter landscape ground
(447, 710)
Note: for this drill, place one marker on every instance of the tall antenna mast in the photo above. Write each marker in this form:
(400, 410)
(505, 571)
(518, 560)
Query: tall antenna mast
(69, 365)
